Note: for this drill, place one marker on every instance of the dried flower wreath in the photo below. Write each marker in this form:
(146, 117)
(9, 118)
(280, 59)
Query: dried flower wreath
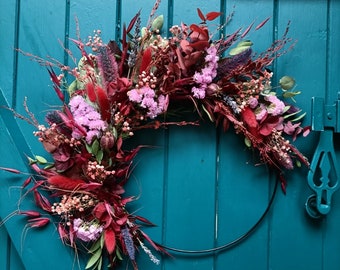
(121, 89)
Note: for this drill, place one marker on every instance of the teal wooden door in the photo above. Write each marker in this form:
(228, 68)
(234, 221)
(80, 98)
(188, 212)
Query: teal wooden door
(199, 185)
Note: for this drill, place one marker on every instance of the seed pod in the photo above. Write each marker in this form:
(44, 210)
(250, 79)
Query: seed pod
(107, 141)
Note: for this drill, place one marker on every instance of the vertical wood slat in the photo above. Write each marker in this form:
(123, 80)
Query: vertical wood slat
(9, 19)
(331, 243)
(242, 187)
(291, 227)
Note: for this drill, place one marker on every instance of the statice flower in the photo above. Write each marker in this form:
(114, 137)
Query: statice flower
(86, 116)
(276, 106)
(207, 74)
(253, 102)
(146, 97)
(261, 112)
(87, 231)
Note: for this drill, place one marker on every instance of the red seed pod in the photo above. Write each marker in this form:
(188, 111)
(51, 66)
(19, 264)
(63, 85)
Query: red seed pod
(107, 141)
(32, 214)
(38, 222)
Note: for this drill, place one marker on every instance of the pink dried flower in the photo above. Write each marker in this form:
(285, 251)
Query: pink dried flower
(276, 107)
(87, 231)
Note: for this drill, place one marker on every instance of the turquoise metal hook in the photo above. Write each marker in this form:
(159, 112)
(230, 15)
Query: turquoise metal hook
(323, 177)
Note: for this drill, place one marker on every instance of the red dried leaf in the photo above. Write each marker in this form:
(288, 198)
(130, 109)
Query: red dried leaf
(132, 22)
(262, 23)
(200, 45)
(56, 83)
(231, 38)
(32, 214)
(38, 222)
(144, 220)
(119, 143)
(65, 183)
(99, 210)
(62, 232)
(110, 240)
(26, 182)
(127, 200)
(91, 94)
(104, 104)
(70, 120)
(200, 14)
(200, 30)
(10, 170)
(42, 201)
(146, 59)
(283, 183)
(249, 118)
(212, 15)
(247, 30)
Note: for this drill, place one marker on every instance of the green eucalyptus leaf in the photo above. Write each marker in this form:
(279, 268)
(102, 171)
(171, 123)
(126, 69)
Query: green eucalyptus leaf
(72, 88)
(157, 23)
(244, 43)
(118, 254)
(88, 148)
(298, 163)
(206, 111)
(49, 166)
(291, 94)
(287, 82)
(102, 241)
(247, 142)
(31, 160)
(95, 246)
(100, 263)
(286, 108)
(95, 147)
(299, 118)
(292, 114)
(41, 159)
(238, 50)
(99, 156)
(94, 259)
(115, 133)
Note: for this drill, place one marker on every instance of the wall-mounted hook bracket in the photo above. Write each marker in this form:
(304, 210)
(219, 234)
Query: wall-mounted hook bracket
(323, 175)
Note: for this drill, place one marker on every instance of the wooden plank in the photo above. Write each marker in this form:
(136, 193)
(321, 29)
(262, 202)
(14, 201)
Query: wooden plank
(189, 204)
(8, 37)
(291, 227)
(101, 16)
(243, 187)
(35, 247)
(331, 245)
(35, 32)
(4, 239)
(39, 35)
(147, 179)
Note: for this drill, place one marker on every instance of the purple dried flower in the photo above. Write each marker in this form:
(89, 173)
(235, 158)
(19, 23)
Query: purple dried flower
(276, 107)
(87, 231)
(107, 64)
(207, 74)
(146, 98)
(128, 242)
(86, 116)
